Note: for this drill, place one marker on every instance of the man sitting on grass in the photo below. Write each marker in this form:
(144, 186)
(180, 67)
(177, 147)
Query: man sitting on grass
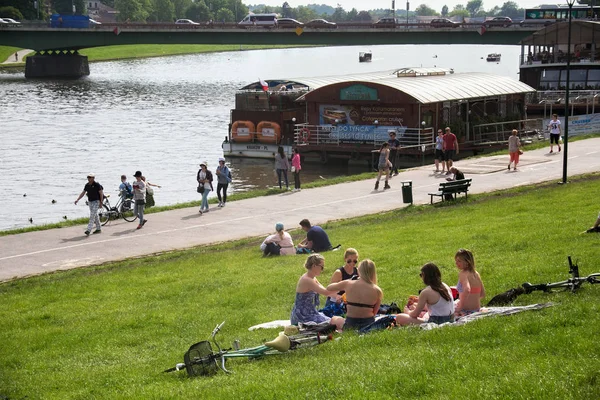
(316, 239)
(596, 227)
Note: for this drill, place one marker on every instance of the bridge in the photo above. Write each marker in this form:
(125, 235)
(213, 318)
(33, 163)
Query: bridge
(60, 45)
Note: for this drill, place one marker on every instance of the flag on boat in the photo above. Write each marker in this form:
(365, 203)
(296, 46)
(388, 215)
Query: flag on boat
(265, 85)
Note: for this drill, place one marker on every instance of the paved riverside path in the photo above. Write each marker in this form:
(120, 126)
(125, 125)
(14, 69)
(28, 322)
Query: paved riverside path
(65, 248)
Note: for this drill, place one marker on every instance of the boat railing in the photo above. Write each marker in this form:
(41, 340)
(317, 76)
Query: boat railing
(321, 135)
(499, 132)
(558, 96)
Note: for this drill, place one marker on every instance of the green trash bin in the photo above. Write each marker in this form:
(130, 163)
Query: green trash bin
(407, 192)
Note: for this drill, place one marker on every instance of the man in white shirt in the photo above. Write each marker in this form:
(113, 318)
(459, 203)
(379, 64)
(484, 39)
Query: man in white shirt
(554, 127)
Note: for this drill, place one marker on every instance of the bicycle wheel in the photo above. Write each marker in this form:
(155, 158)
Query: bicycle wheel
(127, 210)
(104, 214)
(200, 360)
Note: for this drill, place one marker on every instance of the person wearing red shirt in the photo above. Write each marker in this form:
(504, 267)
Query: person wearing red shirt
(450, 148)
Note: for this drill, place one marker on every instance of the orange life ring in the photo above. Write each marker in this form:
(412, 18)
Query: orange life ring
(304, 135)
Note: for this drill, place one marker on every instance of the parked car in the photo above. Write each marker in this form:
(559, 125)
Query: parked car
(10, 21)
(288, 23)
(386, 23)
(2, 21)
(320, 23)
(498, 21)
(186, 22)
(443, 23)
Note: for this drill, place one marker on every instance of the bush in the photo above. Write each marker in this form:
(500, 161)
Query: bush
(10, 12)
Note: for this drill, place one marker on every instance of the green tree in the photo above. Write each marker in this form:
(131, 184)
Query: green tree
(287, 10)
(304, 14)
(240, 10)
(162, 11)
(425, 11)
(198, 11)
(339, 15)
(352, 14)
(11, 12)
(474, 6)
(132, 10)
(225, 15)
(181, 7)
(444, 11)
(66, 6)
(494, 11)
(512, 10)
(364, 16)
(459, 11)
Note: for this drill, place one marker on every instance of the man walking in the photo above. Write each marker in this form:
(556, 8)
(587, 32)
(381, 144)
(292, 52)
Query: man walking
(394, 147)
(139, 196)
(450, 149)
(95, 196)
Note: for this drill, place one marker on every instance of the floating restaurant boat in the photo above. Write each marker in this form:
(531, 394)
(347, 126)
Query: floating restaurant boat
(348, 117)
(494, 57)
(365, 56)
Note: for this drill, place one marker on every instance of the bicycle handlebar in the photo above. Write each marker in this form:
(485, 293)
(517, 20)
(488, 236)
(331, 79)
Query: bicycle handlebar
(217, 329)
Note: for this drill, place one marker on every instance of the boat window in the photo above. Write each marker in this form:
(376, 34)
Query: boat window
(550, 75)
(594, 75)
(578, 74)
(593, 85)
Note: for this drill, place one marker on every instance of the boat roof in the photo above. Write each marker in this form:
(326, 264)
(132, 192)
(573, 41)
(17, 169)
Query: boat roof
(426, 85)
(557, 33)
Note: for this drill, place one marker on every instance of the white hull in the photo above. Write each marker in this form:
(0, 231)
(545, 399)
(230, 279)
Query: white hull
(253, 150)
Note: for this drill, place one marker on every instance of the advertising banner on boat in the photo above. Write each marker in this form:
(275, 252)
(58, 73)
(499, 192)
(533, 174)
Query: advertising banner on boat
(579, 124)
(356, 122)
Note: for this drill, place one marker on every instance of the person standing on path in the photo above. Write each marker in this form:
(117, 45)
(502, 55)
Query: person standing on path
(394, 147)
(282, 166)
(439, 151)
(514, 149)
(95, 194)
(384, 165)
(139, 196)
(149, 193)
(296, 168)
(223, 181)
(554, 127)
(205, 180)
(17, 56)
(450, 148)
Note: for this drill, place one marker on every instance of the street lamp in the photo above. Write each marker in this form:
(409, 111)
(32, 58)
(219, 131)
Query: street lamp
(566, 141)
(407, 8)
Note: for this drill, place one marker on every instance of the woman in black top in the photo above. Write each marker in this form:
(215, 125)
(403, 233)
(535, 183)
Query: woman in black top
(345, 272)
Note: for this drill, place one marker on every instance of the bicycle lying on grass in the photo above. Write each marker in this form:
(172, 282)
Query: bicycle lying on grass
(123, 208)
(571, 284)
(202, 360)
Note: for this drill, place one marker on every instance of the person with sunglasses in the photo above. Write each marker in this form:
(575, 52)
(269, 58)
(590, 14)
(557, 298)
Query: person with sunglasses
(345, 272)
(363, 296)
(307, 300)
(436, 298)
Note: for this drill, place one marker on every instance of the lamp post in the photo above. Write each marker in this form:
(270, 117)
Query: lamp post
(566, 141)
(407, 8)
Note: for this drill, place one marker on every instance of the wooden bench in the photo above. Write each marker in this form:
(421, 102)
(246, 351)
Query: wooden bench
(452, 188)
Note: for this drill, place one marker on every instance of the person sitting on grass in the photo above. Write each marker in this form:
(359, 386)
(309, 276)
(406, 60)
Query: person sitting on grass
(345, 272)
(307, 295)
(436, 298)
(596, 227)
(363, 296)
(279, 243)
(316, 239)
(470, 286)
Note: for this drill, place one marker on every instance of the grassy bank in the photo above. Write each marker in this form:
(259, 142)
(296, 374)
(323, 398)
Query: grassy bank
(6, 51)
(109, 331)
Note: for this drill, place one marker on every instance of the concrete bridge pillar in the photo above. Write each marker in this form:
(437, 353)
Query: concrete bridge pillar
(57, 64)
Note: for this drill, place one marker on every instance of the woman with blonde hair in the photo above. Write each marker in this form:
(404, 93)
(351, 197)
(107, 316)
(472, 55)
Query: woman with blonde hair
(363, 296)
(470, 286)
(436, 298)
(514, 149)
(307, 295)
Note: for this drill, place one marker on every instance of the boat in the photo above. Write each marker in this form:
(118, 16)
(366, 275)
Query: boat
(493, 57)
(365, 56)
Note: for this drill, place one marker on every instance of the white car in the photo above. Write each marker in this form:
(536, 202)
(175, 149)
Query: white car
(3, 21)
(186, 22)
(94, 22)
(10, 21)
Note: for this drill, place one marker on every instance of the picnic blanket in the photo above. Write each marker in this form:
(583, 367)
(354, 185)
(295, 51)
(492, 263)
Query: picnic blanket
(278, 323)
(487, 312)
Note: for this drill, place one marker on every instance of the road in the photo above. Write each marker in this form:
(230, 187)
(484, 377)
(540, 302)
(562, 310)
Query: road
(40, 252)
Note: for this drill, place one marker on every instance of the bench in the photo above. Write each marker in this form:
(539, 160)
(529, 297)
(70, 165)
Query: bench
(452, 188)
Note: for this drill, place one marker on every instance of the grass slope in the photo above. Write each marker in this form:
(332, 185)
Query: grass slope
(108, 331)
(6, 51)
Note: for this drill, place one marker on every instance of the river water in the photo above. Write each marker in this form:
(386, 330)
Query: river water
(162, 116)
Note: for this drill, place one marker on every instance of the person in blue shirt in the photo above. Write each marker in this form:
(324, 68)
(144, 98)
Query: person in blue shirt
(316, 238)
(125, 188)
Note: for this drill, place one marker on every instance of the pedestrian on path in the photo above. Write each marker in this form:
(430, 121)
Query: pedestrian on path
(439, 151)
(17, 56)
(394, 146)
(139, 196)
(296, 167)
(95, 195)
(450, 149)
(223, 181)
(282, 165)
(149, 193)
(514, 149)
(554, 127)
(384, 165)
(205, 179)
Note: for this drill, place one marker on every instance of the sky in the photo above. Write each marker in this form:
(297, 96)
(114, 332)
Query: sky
(400, 4)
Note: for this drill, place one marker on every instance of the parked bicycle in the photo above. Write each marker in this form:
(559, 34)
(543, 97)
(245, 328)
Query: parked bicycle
(571, 284)
(123, 208)
(202, 360)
